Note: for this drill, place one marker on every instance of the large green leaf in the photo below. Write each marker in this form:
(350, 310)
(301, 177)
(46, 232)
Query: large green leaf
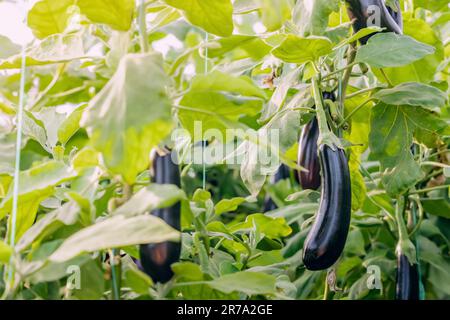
(274, 13)
(152, 197)
(300, 50)
(424, 69)
(250, 283)
(8, 48)
(130, 115)
(254, 46)
(391, 137)
(35, 185)
(219, 81)
(311, 17)
(118, 14)
(56, 48)
(115, 232)
(413, 94)
(214, 16)
(49, 17)
(65, 215)
(5, 252)
(392, 50)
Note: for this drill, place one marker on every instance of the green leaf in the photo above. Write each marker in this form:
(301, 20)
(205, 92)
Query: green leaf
(228, 205)
(219, 81)
(92, 282)
(214, 110)
(413, 94)
(137, 280)
(56, 48)
(118, 231)
(52, 221)
(5, 252)
(152, 197)
(8, 48)
(274, 13)
(255, 47)
(312, 17)
(49, 17)
(299, 50)
(272, 228)
(424, 69)
(392, 50)
(35, 185)
(130, 115)
(250, 283)
(391, 137)
(435, 5)
(214, 16)
(118, 14)
(70, 125)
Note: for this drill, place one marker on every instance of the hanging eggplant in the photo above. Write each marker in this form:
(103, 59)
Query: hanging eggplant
(156, 259)
(327, 237)
(363, 11)
(282, 173)
(407, 280)
(307, 152)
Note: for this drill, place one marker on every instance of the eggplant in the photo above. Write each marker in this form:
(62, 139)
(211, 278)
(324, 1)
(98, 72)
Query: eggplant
(359, 11)
(407, 280)
(282, 173)
(326, 239)
(156, 259)
(307, 152)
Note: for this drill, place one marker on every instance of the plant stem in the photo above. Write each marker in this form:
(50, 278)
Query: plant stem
(399, 210)
(320, 112)
(347, 74)
(56, 76)
(352, 113)
(357, 93)
(143, 27)
(327, 76)
(326, 289)
(419, 222)
(430, 189)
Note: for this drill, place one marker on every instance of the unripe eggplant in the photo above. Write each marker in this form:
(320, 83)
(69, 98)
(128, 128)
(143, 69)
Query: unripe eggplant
(361, 11)
(407, 280)
(282, 173)
(307, 152)
(327, 237)
(156, 259)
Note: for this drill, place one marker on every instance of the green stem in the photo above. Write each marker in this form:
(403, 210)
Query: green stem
(399, 210)
(347, 74)
(352, 113)
(351, 65)
(326, 289)
(357, 93)
(143, 27)
(320, 111)
(430, 189)
(416, 199)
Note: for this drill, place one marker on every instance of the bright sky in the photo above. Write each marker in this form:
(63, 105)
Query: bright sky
(11, 23)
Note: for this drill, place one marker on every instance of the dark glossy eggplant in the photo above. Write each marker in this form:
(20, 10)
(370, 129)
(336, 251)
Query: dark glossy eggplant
(308, 157)
(156, 259)
(407, 280)
(307, 152)
(361, 12)
(282, 173)
(328, 234)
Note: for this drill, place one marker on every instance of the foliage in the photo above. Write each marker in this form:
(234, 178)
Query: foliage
(108, 81)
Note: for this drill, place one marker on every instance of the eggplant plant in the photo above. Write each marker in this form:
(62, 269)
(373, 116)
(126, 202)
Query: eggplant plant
(225, 149)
